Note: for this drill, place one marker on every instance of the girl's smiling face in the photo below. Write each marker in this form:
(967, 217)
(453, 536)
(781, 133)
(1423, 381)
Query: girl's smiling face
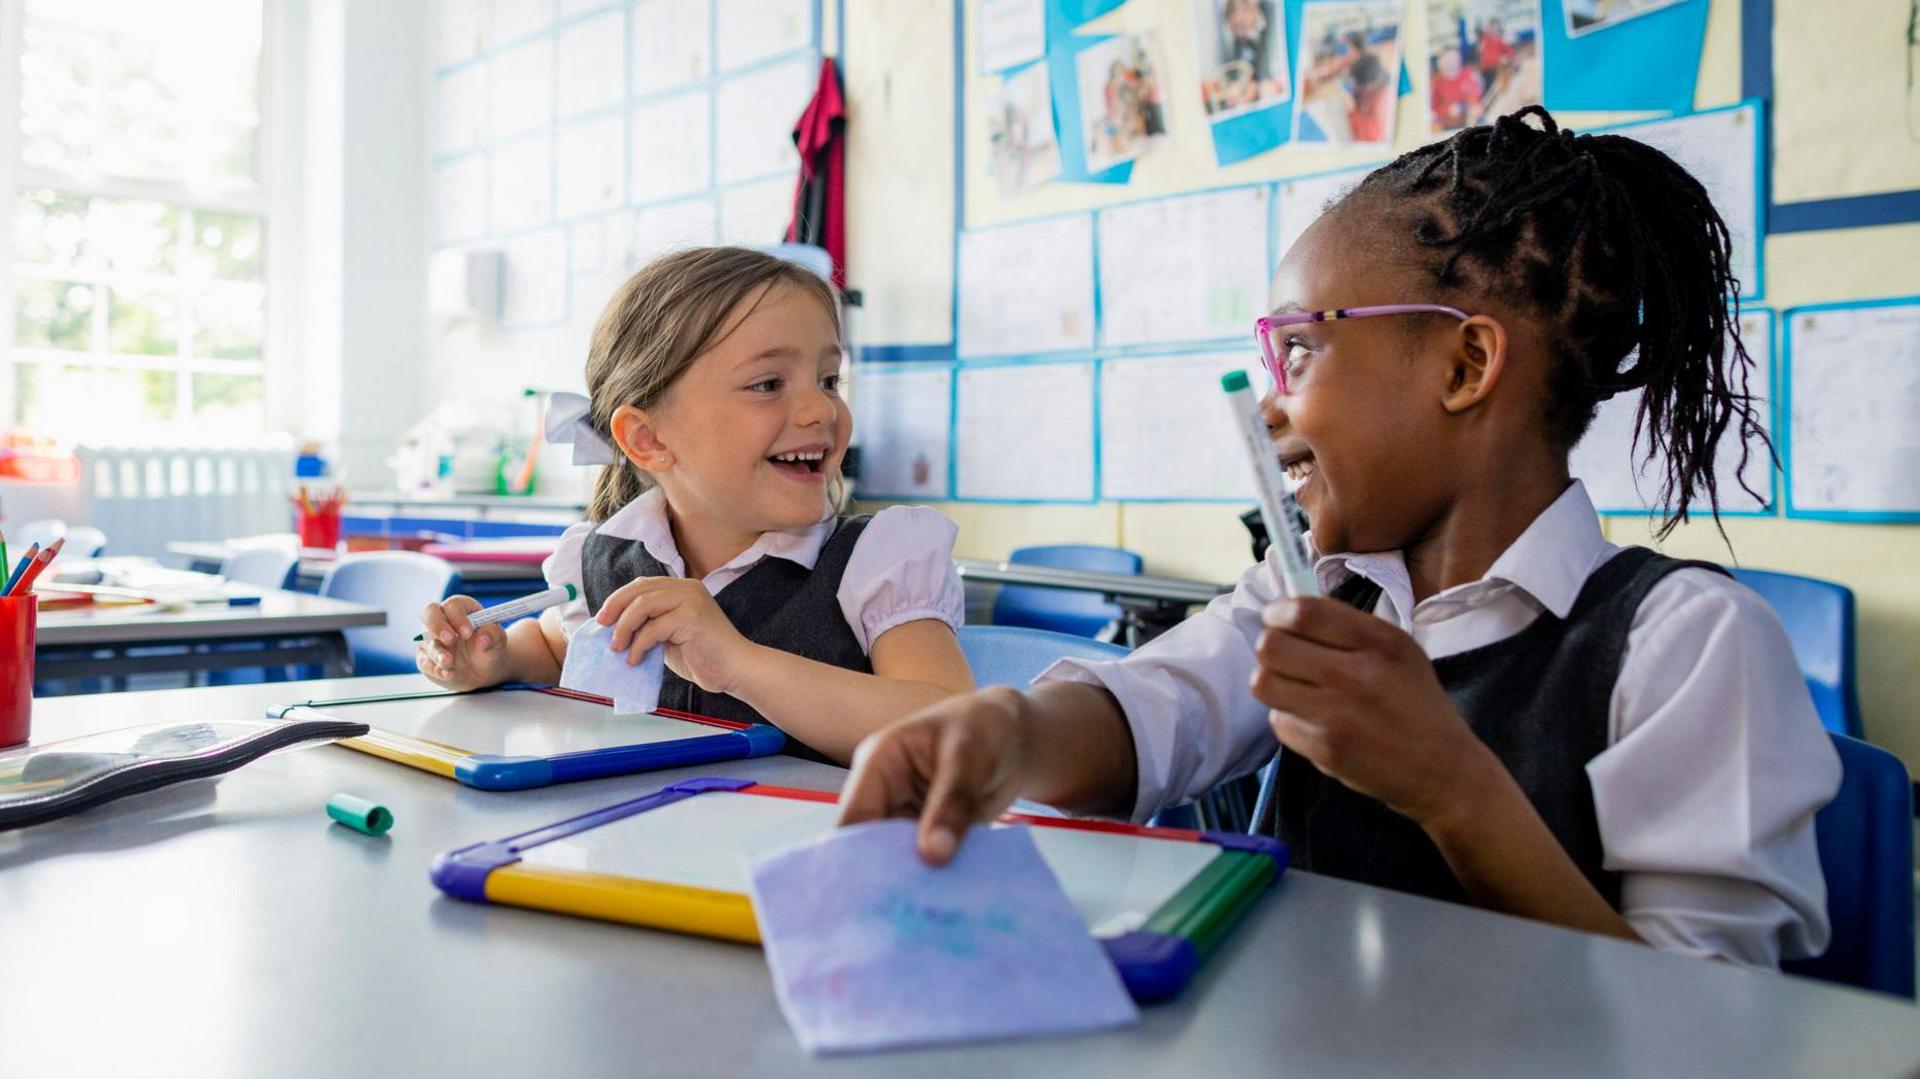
(1365, 428)
(750, 437)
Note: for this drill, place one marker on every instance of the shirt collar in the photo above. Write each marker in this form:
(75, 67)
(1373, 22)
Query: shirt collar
(645, 519)
(1550, 561)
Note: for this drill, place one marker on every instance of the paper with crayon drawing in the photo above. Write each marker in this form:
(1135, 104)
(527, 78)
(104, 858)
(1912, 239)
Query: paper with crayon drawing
(871, 948)
(593, 666)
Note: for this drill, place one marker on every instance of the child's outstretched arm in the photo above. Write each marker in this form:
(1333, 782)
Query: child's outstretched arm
(829, 708)
(462, 656)
(964, 760)
(1358, 697)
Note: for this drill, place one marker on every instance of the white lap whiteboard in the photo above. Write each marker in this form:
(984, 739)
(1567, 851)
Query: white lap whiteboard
(1027, 288)
(1620, 479)
(1166, 432)
(1192, 268)
(1722, 150)
(1024, 433)
(903, 415)
(1853, 411)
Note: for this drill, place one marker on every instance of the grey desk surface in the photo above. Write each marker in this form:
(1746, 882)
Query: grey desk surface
(314, 564)
(228, 929)
(278, 613)
(1142, 586)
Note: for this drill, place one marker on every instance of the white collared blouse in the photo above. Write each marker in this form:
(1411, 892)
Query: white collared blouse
(1716, 762)
(901, 569)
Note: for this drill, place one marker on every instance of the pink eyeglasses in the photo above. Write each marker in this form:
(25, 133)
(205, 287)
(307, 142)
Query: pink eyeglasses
(1275, 358)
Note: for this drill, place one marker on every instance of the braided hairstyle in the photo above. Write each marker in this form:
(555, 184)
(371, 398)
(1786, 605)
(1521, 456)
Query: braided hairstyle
(1623, 256)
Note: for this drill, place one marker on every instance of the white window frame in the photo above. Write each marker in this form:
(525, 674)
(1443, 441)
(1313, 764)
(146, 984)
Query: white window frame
(260, 200)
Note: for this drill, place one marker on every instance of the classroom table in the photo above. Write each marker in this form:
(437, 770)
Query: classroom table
(229, 929)
(283, 629)
(1149, 605)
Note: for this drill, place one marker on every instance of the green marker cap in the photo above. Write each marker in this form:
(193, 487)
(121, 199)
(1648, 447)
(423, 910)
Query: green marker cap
(1233, 381)
(359, 814)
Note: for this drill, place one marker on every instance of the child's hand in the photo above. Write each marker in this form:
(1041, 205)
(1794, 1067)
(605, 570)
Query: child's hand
(1356, 696)
(458, 654)
(952, 765)
(702, 645)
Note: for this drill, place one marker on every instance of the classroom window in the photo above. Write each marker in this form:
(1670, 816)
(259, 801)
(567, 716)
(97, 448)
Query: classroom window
(138, 226)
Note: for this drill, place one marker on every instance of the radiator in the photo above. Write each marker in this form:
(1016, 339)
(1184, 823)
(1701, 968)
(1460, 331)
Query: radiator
(145, 498)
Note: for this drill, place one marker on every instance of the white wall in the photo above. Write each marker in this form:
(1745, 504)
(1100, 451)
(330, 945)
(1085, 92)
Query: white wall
(348, 248)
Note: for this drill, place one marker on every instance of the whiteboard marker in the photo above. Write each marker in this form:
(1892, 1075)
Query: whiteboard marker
(514, 608)
(1286, 524)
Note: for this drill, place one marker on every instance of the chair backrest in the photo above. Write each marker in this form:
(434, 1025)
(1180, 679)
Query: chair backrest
(1014, 655)
(1083, 614)
(42, 532)
(400, 583)
(83, 541)
(262, 567)
(1866, 854)
(1819, 619)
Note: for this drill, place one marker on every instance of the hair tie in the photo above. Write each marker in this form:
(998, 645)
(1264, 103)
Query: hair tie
(570, 422)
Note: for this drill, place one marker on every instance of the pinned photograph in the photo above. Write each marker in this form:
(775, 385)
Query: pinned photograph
(1023, 151)
(1123, 112)
(1483, 61)
(1349, 73)
(1243, 56)
(1587, 16)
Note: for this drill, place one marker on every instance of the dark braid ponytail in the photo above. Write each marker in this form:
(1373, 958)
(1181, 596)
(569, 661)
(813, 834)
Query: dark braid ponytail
(1621, 253)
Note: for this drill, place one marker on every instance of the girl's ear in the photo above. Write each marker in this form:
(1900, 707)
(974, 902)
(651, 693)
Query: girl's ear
(634, 433)
(1479, 359)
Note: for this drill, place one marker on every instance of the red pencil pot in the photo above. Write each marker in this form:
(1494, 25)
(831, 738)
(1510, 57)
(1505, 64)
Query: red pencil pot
(19, 615)
(317, 527)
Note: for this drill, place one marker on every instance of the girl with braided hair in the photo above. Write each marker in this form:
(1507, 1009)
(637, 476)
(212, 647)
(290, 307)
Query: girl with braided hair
(1492, 704)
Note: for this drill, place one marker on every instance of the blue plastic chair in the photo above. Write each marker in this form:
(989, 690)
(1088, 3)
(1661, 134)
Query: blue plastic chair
(1819, 619)
(400, 583)
(1083, 614)
(1015, 655)
(1866, 852)
(262, 567)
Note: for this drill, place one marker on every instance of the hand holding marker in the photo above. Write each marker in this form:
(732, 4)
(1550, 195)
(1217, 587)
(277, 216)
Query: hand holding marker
(512, 609)
(1286, 527)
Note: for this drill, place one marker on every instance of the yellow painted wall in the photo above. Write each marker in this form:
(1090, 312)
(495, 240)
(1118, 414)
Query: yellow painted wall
(901, 163)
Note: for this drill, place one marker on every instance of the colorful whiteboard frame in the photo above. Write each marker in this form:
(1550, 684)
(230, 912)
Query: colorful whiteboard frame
(1156, 961)
(728, 740)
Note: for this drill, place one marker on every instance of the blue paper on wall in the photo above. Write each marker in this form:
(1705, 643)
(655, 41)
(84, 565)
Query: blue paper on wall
(871, 948)
(1647, 62)
(593, 666)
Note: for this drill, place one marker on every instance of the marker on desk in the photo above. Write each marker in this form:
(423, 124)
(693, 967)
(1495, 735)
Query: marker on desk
(1286, 524)
(514, 608)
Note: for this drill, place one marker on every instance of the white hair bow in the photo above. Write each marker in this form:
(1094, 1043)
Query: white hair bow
(569, 421)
